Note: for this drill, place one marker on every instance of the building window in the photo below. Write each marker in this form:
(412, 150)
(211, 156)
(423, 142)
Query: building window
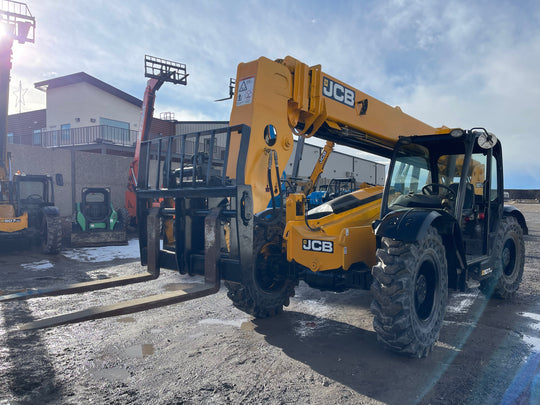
(66, 132)
(10, 137)
(115, 131)
(36, 137)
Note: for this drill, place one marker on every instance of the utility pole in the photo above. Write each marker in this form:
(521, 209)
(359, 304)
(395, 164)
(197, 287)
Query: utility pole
(16, 24)
(19, 96)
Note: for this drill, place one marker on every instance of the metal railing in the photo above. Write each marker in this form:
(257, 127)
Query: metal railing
(98, 134)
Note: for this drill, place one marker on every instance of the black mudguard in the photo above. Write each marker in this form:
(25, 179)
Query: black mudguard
(510, 210)
(409, 225)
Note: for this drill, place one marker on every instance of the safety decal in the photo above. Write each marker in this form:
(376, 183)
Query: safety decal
(486, 271)
(245, 91)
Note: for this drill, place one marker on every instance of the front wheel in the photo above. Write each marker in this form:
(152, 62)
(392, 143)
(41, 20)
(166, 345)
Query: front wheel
(123, 220)
(51, 234)
(509, 261)
(266, 287)
(410, 291)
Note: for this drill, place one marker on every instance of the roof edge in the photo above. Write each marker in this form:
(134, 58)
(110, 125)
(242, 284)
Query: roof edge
(81, 77)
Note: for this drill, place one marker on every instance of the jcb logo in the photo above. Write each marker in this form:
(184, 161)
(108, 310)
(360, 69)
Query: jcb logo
(323, 155)
(323, 246)
(338, 92)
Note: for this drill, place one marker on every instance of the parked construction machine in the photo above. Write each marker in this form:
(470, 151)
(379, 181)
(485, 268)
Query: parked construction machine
(158, 71)
(96, 222)
(27, 210)
(439, 222)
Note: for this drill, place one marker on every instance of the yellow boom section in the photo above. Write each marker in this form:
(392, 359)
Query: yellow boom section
(294, 98)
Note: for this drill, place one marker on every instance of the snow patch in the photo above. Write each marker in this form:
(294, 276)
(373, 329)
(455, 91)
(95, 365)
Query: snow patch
(37, 266)
(460, 303)
(534, 316)
(317, 308)
(533, 341)
(104, 253)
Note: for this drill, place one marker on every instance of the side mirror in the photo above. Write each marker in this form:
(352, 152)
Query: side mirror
(59, 179)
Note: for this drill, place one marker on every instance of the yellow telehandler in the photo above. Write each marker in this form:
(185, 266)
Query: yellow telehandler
(438, 223)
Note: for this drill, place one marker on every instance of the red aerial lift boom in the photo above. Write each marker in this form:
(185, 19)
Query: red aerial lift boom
(158, 71)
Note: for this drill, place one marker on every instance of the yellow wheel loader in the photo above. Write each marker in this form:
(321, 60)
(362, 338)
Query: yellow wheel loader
(28, 214)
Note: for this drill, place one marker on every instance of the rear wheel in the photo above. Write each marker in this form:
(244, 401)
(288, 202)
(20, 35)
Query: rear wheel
(266, 287)
(51, 234)
(410, 291)
(123, 220)
(509, 261)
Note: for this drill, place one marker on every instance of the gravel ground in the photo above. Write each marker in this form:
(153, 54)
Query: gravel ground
(321, 350)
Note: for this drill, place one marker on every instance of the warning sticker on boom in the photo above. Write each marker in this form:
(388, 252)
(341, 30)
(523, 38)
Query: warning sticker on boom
(245, 91)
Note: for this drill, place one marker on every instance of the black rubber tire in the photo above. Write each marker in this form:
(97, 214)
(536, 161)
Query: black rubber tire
(51, 234)
(509, 262)
(410, 292)
(123, 220)
(266, 287)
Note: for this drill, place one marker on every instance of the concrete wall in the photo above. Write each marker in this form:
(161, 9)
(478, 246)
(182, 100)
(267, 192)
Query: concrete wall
(79, 169)
(96, 170)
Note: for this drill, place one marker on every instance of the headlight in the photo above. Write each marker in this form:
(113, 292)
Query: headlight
(456, 133)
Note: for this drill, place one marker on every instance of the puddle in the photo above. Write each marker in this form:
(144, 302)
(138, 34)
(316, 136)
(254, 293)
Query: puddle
(127, 319)
(304, 328)
(237, 323)
(140, 351)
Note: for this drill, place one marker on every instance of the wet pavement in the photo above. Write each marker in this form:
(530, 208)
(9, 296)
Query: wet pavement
(322, 349)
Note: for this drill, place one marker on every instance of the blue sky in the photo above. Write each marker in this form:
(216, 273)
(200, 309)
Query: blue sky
(454, 63)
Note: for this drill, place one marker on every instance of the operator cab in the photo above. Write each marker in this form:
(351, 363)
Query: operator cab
(33, 193)
(456, 174)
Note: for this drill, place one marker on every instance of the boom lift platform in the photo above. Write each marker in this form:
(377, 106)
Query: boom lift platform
(158, 71)
(436, 229)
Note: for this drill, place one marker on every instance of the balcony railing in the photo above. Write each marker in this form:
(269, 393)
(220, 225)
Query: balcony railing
(98, 134)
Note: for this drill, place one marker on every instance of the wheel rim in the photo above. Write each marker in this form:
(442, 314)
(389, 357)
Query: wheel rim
(509, 257)
(425, 290)
(269, 273)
